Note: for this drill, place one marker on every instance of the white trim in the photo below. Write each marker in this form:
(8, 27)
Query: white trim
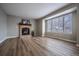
(2, 40)
(67, 40)
(43, 27)
(8, 38)
(63, 39)
(11, 37)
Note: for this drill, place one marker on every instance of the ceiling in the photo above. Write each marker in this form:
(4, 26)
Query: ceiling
(31, 10)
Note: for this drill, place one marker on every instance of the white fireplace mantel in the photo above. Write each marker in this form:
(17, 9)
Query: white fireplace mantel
(20, 26)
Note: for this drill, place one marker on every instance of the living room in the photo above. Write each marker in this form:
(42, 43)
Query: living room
(39, 29)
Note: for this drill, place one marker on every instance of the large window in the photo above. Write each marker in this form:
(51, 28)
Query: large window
(68, 23)
(60, 24)
(48, 23)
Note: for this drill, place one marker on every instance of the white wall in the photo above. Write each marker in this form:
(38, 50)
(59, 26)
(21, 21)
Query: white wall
(33, 22)
(39, 27)
(77, 24)
(3, 26)
(12, 26)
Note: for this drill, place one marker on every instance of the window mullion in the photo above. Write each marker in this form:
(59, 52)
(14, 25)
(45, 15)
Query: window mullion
(63, 23)
(51, 25)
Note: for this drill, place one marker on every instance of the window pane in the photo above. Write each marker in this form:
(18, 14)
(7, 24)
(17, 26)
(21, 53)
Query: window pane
(60, 24)
(68, 23)
(53, 29)
(48, 26)
(55, 25)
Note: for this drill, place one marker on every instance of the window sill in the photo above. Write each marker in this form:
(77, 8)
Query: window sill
(60, 33)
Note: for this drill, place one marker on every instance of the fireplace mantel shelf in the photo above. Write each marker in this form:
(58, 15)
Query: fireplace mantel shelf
(24, 24)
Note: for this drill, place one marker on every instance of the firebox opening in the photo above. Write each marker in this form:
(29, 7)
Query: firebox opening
(25, 31)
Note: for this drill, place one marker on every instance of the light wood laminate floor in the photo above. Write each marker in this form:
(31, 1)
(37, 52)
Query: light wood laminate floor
(37, 46)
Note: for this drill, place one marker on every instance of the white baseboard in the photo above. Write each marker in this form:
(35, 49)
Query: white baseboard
(68, 40)
(63, 39)
(2, 40)
(11, 37)
(7, 38)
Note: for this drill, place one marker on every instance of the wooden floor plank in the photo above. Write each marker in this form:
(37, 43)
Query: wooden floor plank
(37, 46)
